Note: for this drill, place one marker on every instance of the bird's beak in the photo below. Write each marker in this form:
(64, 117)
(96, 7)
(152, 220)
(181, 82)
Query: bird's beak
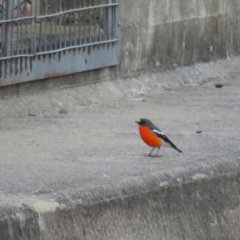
(137, 122)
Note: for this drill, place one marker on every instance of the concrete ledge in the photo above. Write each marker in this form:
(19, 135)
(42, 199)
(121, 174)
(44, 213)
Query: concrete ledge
(85, 174)
(195, 203)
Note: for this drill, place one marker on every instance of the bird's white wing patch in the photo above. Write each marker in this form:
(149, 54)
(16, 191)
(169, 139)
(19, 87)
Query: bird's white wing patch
(158, 132)
(166, 140)
(162, 136)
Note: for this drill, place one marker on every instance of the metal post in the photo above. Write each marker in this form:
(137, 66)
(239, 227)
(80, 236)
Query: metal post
(8, 29)
(36, 5)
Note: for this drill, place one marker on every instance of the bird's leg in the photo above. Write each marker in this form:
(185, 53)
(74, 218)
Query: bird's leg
(158, 151)
(151, 152)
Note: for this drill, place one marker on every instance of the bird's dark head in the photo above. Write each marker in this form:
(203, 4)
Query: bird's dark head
(144, 122)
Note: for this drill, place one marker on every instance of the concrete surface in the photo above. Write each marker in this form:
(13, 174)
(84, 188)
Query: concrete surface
(85, 174)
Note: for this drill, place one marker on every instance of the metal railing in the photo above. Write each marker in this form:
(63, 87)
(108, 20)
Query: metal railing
(47, 38)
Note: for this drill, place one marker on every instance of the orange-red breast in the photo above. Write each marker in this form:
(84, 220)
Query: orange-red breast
(153, 136)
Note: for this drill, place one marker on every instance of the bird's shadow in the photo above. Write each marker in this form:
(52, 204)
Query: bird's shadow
(152, 156)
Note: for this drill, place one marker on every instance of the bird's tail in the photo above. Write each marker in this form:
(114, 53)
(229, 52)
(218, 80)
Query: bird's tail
(177, 149)
(174, 147)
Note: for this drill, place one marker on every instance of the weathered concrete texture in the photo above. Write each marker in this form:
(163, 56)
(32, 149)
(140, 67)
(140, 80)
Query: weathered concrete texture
(167, 33)
(72, 97)
(85, 174)
(202, 208)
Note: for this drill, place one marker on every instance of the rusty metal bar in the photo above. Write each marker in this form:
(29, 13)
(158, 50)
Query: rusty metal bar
(7, 29)
(36, 9)
(25, 32)
(17, 25)
(113, 23)
(45, 24)
(16, 19)
(74, 21)
(2, 27)
(69, 26)
(64, 26)
(79, 9)
(83, 45)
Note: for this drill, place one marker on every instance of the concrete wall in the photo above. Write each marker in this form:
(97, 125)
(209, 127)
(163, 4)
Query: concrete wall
(166, 33)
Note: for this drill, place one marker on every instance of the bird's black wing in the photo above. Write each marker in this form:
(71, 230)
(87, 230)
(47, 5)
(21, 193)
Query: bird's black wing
(161, 135)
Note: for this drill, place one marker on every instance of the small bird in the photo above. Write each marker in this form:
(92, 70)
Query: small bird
(153, 136)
